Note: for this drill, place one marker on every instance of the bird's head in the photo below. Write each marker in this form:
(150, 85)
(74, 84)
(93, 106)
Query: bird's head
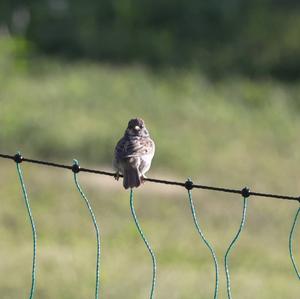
(136, 127)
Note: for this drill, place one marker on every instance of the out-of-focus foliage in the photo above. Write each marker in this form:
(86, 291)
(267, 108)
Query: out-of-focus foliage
(258, 37)
(14, 54)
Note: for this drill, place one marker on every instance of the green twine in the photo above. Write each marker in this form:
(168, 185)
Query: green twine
(206, 243)
(97, 233)
(34, 237)
(231, 246)
(291, 243)
(146, 243)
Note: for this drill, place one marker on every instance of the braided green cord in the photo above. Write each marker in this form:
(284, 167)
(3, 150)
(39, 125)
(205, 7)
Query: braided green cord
(291, 244)
(146, 243)
(97, 233)
(34, 237)
(231, 246)
(206, 243)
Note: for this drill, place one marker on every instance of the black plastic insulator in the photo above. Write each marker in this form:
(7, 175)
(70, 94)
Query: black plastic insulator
(189, 185)
(18, 158)
(75, 168)
(245, 192)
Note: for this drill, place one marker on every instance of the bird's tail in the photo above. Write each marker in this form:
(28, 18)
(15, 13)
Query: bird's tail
(131, 178)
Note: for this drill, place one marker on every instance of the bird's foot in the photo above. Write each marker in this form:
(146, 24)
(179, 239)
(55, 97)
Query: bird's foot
(117, 176)
(143, 178)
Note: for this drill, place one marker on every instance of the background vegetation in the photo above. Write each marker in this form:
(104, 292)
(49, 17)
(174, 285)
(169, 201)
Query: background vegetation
(221, 100)
(257, 38)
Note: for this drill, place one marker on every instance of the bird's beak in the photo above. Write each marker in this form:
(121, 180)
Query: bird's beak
(137, 128)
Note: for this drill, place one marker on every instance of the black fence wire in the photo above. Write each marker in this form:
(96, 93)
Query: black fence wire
(188, 185)
(245, 192)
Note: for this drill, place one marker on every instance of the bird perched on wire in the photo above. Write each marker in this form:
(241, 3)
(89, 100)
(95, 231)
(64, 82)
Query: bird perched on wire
(133, 154)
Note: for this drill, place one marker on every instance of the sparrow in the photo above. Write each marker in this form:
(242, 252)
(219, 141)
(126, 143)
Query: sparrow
(133, 154)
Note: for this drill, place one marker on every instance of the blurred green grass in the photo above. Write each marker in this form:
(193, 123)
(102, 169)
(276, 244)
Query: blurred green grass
(233, 132)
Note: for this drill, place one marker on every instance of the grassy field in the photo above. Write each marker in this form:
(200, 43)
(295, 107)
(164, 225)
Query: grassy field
(233, 132)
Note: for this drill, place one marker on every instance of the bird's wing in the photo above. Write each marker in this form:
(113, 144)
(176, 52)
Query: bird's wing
(135, 147)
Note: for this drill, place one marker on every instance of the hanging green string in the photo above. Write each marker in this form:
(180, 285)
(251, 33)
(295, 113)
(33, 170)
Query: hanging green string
(34, 237)
(75, 169)
(146, 243)
(291, 243)
(231, 246)
(206, 243)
